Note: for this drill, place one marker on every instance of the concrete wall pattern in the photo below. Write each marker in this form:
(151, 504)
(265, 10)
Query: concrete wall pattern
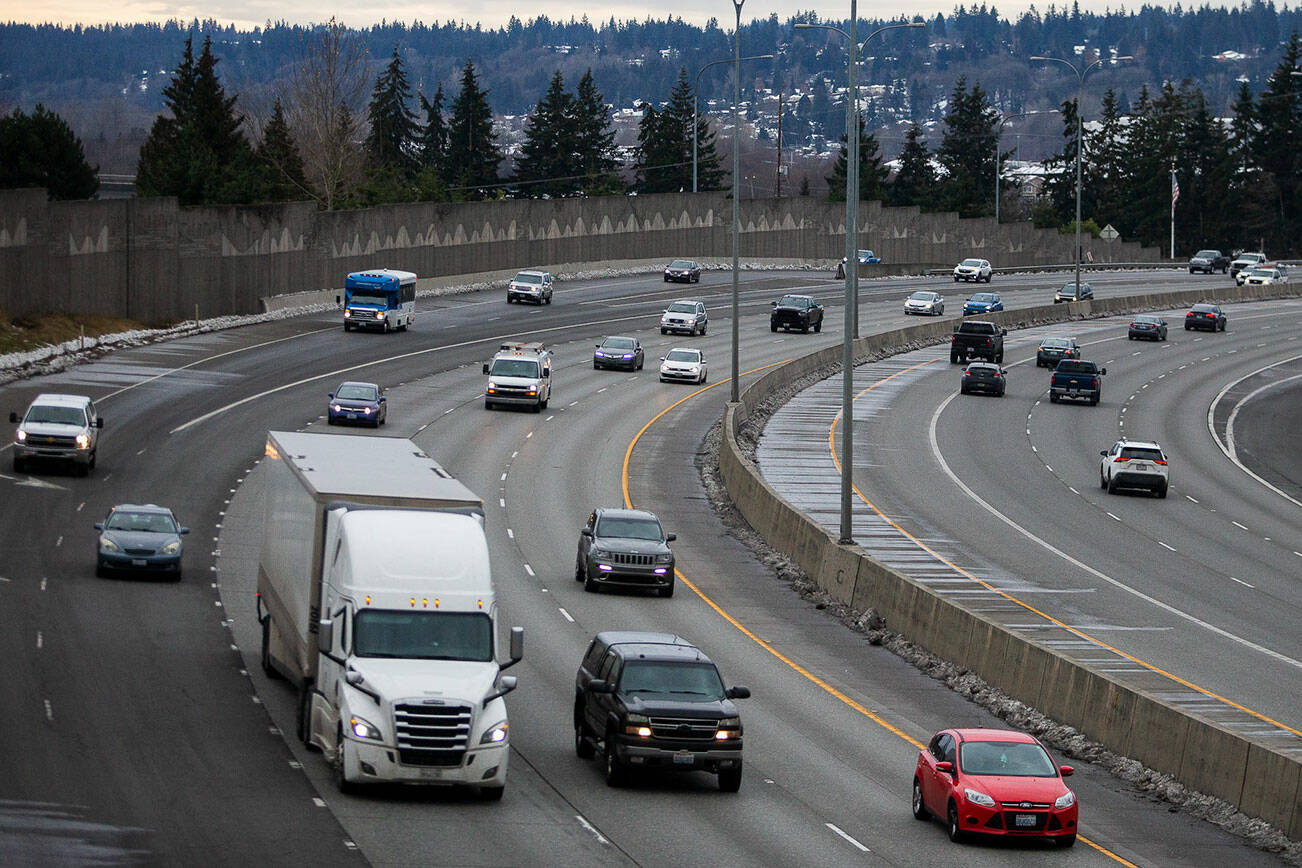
(154, 261)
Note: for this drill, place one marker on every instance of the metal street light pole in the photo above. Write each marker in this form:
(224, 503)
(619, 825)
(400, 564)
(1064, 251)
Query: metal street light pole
(736, 205)
(696, 88)
(851, 260)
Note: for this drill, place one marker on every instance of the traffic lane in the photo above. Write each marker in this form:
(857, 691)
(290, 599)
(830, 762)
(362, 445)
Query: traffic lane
(984, 441)
(637, 611)
(1268, 438)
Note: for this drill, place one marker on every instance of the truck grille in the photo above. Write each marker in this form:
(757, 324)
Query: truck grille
(684, 728)
(432, 735)
(50, 440)
(631, 560)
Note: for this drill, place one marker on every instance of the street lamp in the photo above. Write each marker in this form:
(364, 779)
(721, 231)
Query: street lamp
(736, 204)
(1080, 136)
(695, 89)
(851, 257)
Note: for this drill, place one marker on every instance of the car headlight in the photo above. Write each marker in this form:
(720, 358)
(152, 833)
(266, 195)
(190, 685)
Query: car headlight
(22, 436)
(364, 729)
(665, 558)
(83, 441)
(627, 356)
(638, 724)
(977, 797)
(348, 314)
(1065, 801)
(172, 548)
(336, 407)
(495, 734)
(366, 410)
(599, 354)
(379, 314)
(108, 545)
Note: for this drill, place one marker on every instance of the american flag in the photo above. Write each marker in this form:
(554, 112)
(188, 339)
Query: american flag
(1175, 189)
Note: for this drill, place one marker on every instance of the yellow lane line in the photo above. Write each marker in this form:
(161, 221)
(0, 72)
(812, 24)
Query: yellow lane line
(852, 703)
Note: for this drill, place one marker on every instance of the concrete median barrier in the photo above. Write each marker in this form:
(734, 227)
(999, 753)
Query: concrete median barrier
(1259, 779)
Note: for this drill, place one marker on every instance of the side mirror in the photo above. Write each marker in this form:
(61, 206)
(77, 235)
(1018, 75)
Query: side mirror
(325, 633)
(354, 677)
(505, 685)
(773, 304)
(670, 537)
(338, 300)
(662, 358)
(516, 648)
(599, 686)
(1066, 771)
(547, 373)
(331, 396)
(99, 423)
(485, 367)
(383, 399)
(586, 531)
(1103, 371)
(1003, 332)
(99, 525)
(737, 693)
(598, 346)
(1103, 452)
(945, 766)
(13, 417)
(183, 531)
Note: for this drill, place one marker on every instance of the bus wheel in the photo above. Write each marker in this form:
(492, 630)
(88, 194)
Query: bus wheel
(348, 326)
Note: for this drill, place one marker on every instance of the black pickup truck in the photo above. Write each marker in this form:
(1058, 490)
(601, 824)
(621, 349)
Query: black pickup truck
(1076, 379)
(978, 340)
(796, 312)
(655, 700)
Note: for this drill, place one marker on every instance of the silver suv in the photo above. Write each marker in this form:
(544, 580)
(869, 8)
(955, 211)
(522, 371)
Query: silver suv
(687, 315)
(1134, 464)
(63, 427)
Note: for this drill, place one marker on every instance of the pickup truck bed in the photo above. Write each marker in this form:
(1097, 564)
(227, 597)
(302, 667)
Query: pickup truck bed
(978, 340)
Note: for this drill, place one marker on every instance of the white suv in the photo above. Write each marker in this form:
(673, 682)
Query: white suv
(973, 270)
(61, 427)
(1134, 464)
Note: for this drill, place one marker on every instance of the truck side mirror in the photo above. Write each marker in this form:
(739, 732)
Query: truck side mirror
(599, 686)
(516, 648)
(354, 677)
(1103, 370)
(325, 633)
(670, 537)
(547, 372)
(485, 367)
(585, 531)
(737, 693)
(1103, 452)
(505, 685)
(99, 423)
(99, 525)
(13, 417)
(331, 396)
(773, 304)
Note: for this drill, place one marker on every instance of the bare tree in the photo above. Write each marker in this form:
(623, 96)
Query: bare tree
(328, 90)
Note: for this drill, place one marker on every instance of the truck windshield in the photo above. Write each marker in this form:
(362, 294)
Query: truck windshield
(375, 298)
(693, 682)
(57, 415)
(515, 368)
(526, 277)
(423, 635)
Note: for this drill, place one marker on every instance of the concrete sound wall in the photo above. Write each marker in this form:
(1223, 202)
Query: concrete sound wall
(154, 261)
(1260, 779)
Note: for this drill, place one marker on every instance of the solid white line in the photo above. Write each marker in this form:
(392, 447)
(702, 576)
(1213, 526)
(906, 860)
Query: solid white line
(528, 569)
(591, 828)
(567, 616)
(944, 465)
(1227, 445)
(1165, 546)
(852, 841)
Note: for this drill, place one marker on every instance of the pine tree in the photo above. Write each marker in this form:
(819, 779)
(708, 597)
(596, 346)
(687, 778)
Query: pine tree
(915, 181)
(199, 154)
(41, 150)
(1204, 180)
(282, 166)
(1275, 150)
(391, 143)
(1107, 158)
(548, 163)
(595, 133)
(664, 162)
(1058, 206)
(473, 155)
(872, 174)
(1155, 139)
(1252, 190)
(967, 152)
(434, 134)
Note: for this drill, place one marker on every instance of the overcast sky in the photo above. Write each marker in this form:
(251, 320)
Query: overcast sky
(490, 13)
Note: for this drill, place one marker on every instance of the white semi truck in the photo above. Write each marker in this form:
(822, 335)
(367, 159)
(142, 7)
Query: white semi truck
(376, 601)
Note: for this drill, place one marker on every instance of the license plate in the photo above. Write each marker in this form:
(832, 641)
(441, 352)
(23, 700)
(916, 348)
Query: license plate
(1141, 466)
(432, 773)
(1023, 820)
(352, 415)
(138, 562)
(684, 758)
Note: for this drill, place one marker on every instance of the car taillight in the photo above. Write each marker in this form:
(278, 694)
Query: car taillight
(995, 375)
(1160, 461)
(954, 339)
(989, 341)
(1094, 381)
(1119, 460)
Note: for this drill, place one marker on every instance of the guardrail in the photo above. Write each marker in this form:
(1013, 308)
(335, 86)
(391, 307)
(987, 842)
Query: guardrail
(1258, 779)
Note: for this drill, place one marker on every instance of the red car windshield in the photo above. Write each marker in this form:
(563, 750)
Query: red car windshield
(1006, 758)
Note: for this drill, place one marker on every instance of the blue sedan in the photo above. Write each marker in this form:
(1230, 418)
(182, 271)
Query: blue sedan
(358, 402)
(983, 302)
(139, 538)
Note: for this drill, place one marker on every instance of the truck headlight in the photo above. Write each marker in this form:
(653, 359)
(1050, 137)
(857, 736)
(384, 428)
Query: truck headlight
(364, 729)
(638, 724)
(22, 435)
(379, 314)
(348, 314)
(1065, 801)
(977, 797)
(728, 728)
(665, 559)
(108, 545)
(172, 548)
(495, 734)
(83, 441)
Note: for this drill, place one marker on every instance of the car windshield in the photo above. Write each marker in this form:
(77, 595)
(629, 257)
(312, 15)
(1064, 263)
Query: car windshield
(793, 301)
(1006, 759)
(691, 682)
(974, 263)
(1070, 288)
(865, 254)
(372, 298)
(355, 392)
(610, 527)
(423, 635)
(56, 415)
(983, 298)
(618, 344)
(526, 277)
(1053, 344)
(921, 296)
(681, 263)
(515, 368)
(682, 307)
(141, 522)
(1261, 272)
(682, 356)
(1207, 254)
(1142, 453)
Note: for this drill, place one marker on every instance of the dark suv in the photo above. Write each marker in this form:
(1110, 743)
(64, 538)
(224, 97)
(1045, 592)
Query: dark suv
(796, 311)
(655, 700)
(626, 548)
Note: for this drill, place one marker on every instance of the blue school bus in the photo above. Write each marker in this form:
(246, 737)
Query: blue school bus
(382, 299)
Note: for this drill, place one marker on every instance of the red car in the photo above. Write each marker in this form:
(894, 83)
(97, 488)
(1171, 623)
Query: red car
(994, 782)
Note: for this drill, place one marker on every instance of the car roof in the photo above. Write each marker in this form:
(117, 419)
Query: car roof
(796, 295)
(616, 512)
(618, 338)
(653, 646)
(358, 383)
(685, 350)
(537, 271)
(141, 507)
(992, 365)
(1143, 444)
(52, 398)
(686, 301)
(1013, 735)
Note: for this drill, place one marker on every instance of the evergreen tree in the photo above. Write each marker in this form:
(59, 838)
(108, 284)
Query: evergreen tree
(473, 154)
(915, 181)
(1205, 167)
(548, 163)
(199, 154)
(434, 135)
(1252, 191)
(1058, 207)
(1275, 148)
(41, 150)
(664, 162)
(1107, 158)
(392, 143)
(282, 167)
(967, 152)
(872, 174)
(595, 133)
(1156, 135)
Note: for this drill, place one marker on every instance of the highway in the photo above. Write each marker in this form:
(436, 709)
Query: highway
(141, 730)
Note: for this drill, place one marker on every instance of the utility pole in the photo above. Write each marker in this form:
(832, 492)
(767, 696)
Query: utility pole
(778, 188)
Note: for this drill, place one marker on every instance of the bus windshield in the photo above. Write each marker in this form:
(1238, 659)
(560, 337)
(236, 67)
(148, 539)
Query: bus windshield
(368, 296)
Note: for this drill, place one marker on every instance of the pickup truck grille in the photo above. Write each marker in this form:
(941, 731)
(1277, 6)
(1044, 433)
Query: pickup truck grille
(432, 735)
(50, 440)
(684, 728)
(631, 560)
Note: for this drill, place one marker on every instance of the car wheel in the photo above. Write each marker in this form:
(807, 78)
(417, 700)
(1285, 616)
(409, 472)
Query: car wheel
(267, 668)
(666, 278)
(340, 774)
(1112, 485)
(1192, 271)
(664, 331)
(952, 826)
(1067, 841)
(596, 367)
(100, 572)
(492, 794)
(953, 359)
(330, 420)
(962, 389)
(704, 377)
(1222, 325)
(578, 569)
(772, 327)
(589, 584)
(818, 327)
(1094, 402)
(840, 273)
(537, 408)
(582, 746)
(1161, 491)
(804, 329)
(696, 279)
(1103, 482)
(82, 469)
(1002, 390)
(729, 780)
(549, 299)
(999, 359)
(488, 405)
(1186, 327)
(19, 464)
(1053, 399)
(920, 811)
(640, 363)
(704, 326)
(176, 574)
(615, 772)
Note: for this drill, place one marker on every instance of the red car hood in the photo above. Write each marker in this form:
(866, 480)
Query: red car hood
(1017, 789)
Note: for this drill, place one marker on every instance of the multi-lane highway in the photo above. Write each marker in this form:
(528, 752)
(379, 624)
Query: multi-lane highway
(139, 730)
